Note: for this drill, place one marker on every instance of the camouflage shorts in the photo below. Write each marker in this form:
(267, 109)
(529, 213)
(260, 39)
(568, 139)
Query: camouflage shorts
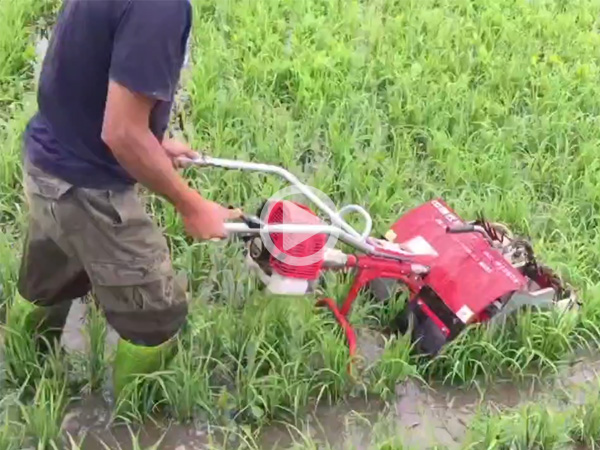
(100, 241)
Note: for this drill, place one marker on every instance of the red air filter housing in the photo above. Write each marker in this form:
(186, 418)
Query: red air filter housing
(304, 252)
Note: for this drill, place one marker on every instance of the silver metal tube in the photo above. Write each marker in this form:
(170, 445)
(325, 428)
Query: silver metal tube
(208, 161)
(242, 228)
(365, 247)
(359, 209)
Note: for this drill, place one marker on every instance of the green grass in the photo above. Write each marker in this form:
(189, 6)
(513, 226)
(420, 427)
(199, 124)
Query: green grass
(389, 104)
(549, 424)
(492, 105)
(21, 21)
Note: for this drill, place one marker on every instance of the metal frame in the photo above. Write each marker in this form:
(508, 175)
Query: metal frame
(340, 228)
(397, 264)
(335, 216)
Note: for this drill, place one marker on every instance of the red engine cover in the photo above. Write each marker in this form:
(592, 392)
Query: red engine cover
(307, 248)
(467, 273)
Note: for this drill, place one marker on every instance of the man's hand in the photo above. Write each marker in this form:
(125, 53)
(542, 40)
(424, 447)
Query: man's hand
(205, 219)
(176, 149)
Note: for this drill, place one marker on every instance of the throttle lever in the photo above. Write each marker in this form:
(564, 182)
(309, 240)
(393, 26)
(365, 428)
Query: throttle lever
(469, 228)
(463, 228)
(251, 221)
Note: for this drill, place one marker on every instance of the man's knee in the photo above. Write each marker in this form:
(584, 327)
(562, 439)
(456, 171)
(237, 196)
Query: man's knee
(148, 327)
(146, 314)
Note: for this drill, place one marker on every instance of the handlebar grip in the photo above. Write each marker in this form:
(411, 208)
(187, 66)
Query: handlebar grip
(465, 228)
(251, 221)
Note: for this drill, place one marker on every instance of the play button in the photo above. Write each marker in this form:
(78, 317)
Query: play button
(298, 248)
(295, 214)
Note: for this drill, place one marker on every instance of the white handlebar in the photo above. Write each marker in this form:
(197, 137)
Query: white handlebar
(336, 217)
(359, 244)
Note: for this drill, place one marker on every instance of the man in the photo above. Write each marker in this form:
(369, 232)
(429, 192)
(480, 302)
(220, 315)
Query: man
(105, 95)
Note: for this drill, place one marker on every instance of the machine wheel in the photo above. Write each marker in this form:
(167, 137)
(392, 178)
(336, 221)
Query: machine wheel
(383, 288)
(428, 338)
(384, 291)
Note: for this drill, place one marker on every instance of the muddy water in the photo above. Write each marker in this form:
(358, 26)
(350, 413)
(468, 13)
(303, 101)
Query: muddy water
(90, 425)
(89, 421)
(422, 415)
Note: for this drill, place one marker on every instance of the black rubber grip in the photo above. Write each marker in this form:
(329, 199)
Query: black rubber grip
(466, 228)
(252, 222)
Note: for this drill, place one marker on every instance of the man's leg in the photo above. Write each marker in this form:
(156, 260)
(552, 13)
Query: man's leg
(128, 262)
(49, 278)
(147, 314)
(48, 282)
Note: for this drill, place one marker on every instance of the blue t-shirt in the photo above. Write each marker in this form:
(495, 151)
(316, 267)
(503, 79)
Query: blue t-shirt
(140, 44)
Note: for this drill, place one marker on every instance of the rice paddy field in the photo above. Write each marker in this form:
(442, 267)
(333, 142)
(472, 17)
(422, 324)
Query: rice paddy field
(492, 105)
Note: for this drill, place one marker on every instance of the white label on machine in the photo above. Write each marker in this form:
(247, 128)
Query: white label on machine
(390, 235)
(420, 246)
(464, 314)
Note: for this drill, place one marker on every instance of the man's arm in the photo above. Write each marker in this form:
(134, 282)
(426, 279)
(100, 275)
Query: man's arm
(126, 132)
(148, 49)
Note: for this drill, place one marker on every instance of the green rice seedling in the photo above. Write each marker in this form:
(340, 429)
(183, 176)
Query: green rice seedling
(331, 377)
(393, 442)
(96, 361)
(231, 437)
(21, 357)
(383, 433)
(16, 49)
(548, 336)
(43, 417)
(585, 418)
(29, 358)
(73, 445)
(135, 443)
(224, 275)
(306, 433)
(590, 315)
(12, 199)
(274, 356)
(140, 398)
(388, 315)
(517, 348)
(394, 367)
(187, 384)
(532, 426)
(259, 384)
(12, 430)
(486, 432)
(478, 353)
(308, 443)
(7, 272)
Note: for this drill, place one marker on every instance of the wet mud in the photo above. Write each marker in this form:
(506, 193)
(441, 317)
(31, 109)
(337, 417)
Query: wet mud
(423, 415)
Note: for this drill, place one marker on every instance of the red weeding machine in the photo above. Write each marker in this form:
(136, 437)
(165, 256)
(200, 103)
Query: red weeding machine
(457, 272)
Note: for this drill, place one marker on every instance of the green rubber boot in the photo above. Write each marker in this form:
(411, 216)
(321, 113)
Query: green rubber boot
(132, 360)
